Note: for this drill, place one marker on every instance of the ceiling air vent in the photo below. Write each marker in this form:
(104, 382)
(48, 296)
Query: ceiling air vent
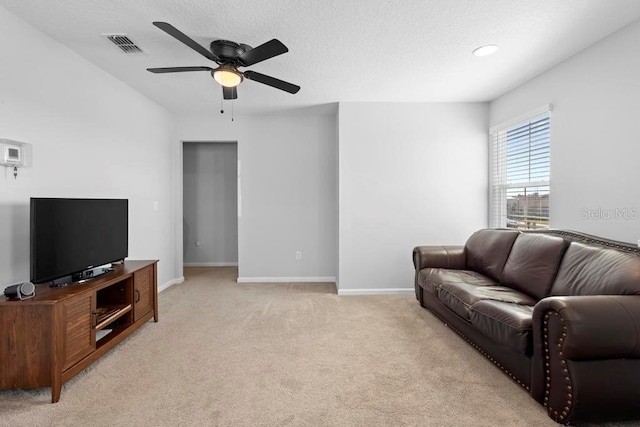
(124, 43)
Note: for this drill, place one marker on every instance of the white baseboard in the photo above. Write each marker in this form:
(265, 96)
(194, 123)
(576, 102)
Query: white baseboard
(170, 283)
(392, 291)
(210, 264)
(286, 279)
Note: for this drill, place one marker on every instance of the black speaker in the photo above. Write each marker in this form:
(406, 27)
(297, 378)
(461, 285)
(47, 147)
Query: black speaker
(20, 291)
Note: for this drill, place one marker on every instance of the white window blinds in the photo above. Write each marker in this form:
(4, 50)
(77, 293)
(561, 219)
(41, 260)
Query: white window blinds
(520, 173)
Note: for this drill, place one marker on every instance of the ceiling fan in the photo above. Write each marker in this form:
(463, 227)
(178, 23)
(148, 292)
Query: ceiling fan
(229, 56)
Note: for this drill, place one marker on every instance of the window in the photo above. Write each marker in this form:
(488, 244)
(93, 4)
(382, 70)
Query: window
(520, 175)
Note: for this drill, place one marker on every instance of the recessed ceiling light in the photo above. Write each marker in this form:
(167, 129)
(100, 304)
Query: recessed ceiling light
(485, 50)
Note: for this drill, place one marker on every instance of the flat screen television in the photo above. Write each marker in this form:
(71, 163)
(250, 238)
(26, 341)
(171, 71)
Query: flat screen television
(69, 236)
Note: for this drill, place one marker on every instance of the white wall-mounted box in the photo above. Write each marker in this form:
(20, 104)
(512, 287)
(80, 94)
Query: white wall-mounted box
(15, 153)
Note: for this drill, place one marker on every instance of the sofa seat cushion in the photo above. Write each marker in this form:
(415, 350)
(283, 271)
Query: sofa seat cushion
(430, 279)
(505, 323)
(460, 296)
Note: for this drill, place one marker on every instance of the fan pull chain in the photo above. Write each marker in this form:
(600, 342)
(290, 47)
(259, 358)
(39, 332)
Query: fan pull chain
(222, 106)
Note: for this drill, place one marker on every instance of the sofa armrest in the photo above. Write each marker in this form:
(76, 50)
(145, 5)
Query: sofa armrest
(453, 257)
(596, 326)
(586, 360)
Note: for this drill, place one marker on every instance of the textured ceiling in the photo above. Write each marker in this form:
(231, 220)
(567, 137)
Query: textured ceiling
(339, 50)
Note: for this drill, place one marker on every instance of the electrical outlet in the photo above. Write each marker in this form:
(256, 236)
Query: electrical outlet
(639, 243)
(298, 255)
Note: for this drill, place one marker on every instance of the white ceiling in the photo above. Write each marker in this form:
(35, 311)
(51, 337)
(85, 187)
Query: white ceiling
(339, 50)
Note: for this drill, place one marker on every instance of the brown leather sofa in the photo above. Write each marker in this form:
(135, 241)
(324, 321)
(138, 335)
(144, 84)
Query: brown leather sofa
(557, 311)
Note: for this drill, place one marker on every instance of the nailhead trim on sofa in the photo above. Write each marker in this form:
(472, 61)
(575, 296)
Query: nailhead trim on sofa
(557, 415)
(575, 236)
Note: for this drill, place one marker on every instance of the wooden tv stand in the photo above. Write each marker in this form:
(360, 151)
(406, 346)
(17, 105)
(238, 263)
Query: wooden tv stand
(48, 339)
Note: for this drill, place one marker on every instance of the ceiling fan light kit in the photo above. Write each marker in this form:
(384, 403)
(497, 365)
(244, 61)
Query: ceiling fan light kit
(229, 56)
(227, 77)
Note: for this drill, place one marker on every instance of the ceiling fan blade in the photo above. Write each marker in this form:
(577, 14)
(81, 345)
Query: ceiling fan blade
(271, 81)
(180, 36)
(264, 51)
(178, 69)
(229, 92)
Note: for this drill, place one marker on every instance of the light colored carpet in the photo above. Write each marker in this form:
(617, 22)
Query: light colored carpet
(279, 355)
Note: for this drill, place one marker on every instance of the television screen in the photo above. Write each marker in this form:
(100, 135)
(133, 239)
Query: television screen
(72, 235)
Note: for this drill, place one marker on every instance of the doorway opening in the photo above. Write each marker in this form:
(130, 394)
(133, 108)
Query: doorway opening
(210, 204)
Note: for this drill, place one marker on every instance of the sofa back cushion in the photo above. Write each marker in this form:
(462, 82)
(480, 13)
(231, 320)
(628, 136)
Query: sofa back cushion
(487, 251)
(593, 270)
(533, 264)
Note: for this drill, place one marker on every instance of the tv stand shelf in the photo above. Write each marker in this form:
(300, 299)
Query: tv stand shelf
(111, 314)
(46, 340)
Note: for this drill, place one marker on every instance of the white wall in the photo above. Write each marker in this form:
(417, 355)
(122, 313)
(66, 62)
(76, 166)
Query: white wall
(92, 136)
(288, 192)
(409, 174)
(594, 135)
(210, 225)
